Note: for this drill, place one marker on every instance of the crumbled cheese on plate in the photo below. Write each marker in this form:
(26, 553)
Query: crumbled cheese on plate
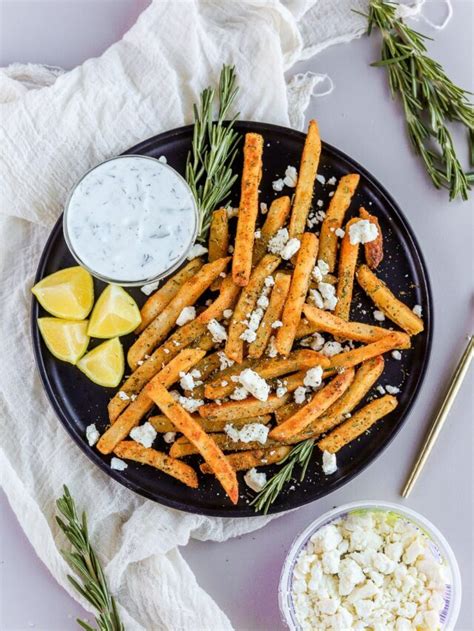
(144, 434)
(92, 434)
(255, 480)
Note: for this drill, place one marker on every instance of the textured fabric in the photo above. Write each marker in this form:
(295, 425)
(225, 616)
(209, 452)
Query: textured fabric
(54, 126)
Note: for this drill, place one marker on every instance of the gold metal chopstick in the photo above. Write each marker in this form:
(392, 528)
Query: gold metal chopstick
(437, 425)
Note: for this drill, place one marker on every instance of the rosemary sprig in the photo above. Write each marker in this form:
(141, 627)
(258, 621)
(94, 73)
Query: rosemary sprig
(301, 455)
(214, 147)
(429, 98)
(84, 562)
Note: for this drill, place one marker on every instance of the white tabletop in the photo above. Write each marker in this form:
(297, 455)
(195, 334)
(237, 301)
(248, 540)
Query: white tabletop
(359, 118)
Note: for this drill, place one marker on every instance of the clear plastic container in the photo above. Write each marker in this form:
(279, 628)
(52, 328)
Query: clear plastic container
(438, 545)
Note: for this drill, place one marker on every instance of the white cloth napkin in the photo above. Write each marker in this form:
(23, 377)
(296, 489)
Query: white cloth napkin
(54, 126)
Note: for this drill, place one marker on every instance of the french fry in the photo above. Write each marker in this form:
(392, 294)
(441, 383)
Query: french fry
(334, 217)
(163, 424)
(237, 409)
(320, 402)
(359, 423)
(276, 218)
(373, 249)
(287, 410)
(131, 450)
(193, 333)
(345, 277)
(137, 409)
(305, 261)
(272, 314)
(158, 300)
(246, 304)
(306, 177)
(364, 379)
(183, 447)
(206, 446)
(383, 298)
(305, 328)
(206, 367)
(291, 382)
(187, 295)
(267, 369)
(254, 458)
(363, 353)
(248, 209)
(218, 239)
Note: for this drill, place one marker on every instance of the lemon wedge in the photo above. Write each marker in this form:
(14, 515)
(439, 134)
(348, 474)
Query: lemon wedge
(104, 365)
(66, 339)
(115, 313)
(68, 293)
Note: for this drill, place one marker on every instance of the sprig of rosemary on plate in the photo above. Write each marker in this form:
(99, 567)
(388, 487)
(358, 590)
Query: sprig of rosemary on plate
(299, 455)
(214, 147)
(429, 98)
(83, 560)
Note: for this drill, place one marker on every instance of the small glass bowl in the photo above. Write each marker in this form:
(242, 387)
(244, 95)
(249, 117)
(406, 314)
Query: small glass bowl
(439, 547)
(124, 282)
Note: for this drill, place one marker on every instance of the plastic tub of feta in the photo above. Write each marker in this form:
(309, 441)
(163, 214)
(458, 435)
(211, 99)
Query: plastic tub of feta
(370, 565)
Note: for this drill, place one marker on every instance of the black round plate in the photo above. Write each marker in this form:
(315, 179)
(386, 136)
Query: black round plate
(78, 402)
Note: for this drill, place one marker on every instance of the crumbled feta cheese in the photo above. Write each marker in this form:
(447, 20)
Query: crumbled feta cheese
(300, 395)
(263, 302)
(316, 274)
(331, 348)
(291, 177)
(329, 463)
(123, 396)
(362, 231)
(257, 234)
(380, 389)
(195, 251)
(169, 437)
(316, 297)
(290, 249)
(227, 313)
(92, 434)
(417, 310)
(248, 336)
(281, 391)
(320, 203)
(239, 394)
(272, 350)
(253, 432)
(144, 434)
(150, 288)
(187, 314)
(278, 241)
(392, 389)
(278, 185)
(379, 315)
(315, 341)
(328, 294)
(263, 208)
(277, 324)
(339, 232)
(225, 362)
(163, 159)
(118, 464)
(255, 480)
(321, 179)
(313, 377)
(269, 281)
(332, 181)
(188, 380)
(217, 331)
(190, 404)
(396, 355)
(253, 383)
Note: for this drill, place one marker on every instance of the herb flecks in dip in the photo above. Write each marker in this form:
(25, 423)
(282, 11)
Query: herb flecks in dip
(130, 219)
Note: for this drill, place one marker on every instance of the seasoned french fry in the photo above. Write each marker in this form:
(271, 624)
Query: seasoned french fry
(206, 367)
(345, 278)
(158, 301)
(137, 409)
(131, 450)
(248, 209)
(319, 320)
(320, 402)
(193, 333)
(364, 379)
(267, 369)
(361, 354)
(237, 409)
(158, 329)
(218, 235)
(393, 308)
(334, 217)
(163, 424)
(305, 261)
(359, 423)
(248, 298)
(183, 447)
(373, 249)
(287, 410)
(305, 327)
(306, 177)
(254, 458)
(272, 314)
(206, 446)
(276, 218)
